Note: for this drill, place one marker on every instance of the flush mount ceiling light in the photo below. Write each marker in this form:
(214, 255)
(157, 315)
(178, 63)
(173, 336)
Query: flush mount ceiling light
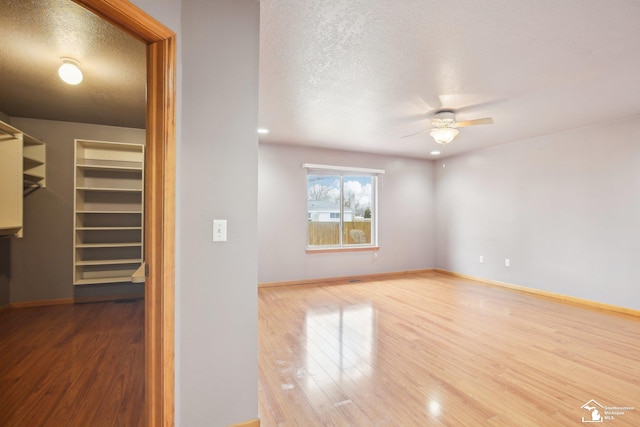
(263, 131)
(69, 71)
(444, 135)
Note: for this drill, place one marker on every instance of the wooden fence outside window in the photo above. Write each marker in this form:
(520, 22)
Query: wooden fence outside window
(328, 233)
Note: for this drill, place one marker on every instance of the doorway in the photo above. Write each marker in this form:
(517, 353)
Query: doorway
(159, 200)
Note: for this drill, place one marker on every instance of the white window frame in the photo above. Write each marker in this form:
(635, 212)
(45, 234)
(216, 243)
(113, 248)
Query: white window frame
(342, 171)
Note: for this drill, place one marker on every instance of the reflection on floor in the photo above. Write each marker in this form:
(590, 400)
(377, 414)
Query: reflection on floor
(429, 349)
(338, 343)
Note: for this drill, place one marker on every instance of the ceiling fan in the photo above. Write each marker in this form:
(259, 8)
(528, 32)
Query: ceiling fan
(444, 127)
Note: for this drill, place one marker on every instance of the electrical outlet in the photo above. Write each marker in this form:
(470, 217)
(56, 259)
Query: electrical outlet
(507, 262)
(481, 259)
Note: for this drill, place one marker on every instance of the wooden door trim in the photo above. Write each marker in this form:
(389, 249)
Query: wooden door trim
(159, 201)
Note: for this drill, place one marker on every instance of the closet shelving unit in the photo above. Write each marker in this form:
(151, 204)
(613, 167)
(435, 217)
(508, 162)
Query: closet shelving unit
(22, 170)
(109, 211)
(33, 163)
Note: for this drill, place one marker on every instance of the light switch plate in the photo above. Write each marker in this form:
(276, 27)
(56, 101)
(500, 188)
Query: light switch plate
(219, 230)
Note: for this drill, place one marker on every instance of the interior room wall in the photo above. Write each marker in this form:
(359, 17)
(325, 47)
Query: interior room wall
(405, 211)
(42, 260)
(217, 179)
(564, 209)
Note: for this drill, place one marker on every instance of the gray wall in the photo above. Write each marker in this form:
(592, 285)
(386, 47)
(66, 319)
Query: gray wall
(406, 215)
(217, 173)
(563, 208)
(42, 261)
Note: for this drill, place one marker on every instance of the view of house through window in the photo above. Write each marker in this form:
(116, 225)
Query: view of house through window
(341, 209)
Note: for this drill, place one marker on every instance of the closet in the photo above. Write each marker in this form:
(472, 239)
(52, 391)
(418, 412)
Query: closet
(108, 211)
(22, 170)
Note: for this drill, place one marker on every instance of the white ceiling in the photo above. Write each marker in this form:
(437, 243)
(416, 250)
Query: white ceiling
(358, 74)
(36, 34)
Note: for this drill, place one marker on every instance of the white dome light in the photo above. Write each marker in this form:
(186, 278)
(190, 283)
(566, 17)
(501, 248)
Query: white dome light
(444, 135)
(69, 71)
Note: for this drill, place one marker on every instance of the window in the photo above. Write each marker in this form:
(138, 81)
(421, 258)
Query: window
(341, 207)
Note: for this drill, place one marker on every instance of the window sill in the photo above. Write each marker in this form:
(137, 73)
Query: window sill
(343, 249)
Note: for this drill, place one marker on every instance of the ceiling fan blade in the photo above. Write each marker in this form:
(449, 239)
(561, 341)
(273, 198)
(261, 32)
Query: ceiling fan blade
(485, 121)
(432, 100)
(417, 133)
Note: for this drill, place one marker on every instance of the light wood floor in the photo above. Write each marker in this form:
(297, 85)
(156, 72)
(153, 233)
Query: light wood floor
(72, 365)
(432, 350)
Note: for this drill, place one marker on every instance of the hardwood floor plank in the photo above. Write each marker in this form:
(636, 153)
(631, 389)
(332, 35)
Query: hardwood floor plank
(72, 365)
(432, 349)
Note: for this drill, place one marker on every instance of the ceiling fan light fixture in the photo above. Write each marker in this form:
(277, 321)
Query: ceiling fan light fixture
(444, 135)
(70, 72)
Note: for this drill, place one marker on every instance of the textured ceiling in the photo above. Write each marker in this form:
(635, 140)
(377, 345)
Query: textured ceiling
(357, 74)
(37, 33)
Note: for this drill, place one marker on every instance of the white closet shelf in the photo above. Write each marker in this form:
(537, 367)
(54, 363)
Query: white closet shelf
(28, 161)
(109, 207)
(32, 178)
(22, 171)
(110, 261)
(108, 212)
(124, 190)
(110, 165)
(107, 228)
(109, 245)
(118, 279)
(29, 140)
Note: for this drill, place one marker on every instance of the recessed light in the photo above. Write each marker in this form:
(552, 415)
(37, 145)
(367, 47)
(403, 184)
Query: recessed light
(263, 131)
(435, 153)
